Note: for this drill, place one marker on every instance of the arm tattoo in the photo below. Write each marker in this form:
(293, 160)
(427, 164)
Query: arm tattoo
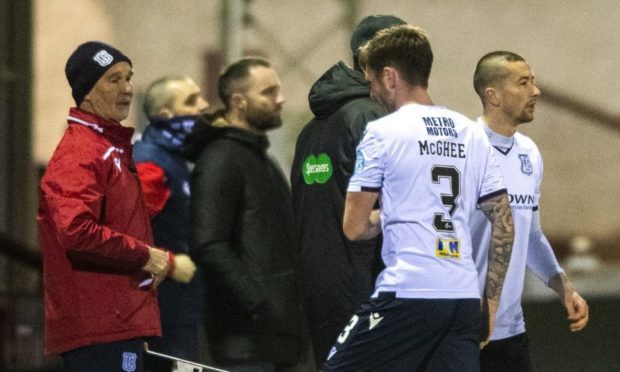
(497, 210)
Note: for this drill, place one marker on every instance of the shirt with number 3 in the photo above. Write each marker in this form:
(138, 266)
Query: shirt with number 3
(431, 166)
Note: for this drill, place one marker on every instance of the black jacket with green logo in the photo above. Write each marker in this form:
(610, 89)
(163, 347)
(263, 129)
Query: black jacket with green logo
(337, 274)
(243, 236)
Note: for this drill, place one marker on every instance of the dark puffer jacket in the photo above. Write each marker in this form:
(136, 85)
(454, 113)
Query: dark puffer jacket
(337, 274)
(180, 303)
(243, 236)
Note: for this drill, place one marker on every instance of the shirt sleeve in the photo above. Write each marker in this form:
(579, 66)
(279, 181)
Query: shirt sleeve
(541, 259)
(156, 191)
(369, 164)
(73, 192)
(357, 118)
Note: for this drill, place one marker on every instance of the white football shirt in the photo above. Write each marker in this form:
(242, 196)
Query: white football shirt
(431, 166)
(522, 166)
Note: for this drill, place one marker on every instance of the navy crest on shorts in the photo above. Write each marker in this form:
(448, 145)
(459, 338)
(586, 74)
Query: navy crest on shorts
(129, 362)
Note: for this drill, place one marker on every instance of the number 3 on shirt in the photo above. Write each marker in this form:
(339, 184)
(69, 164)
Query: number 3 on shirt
(449, 200)
(345, 332)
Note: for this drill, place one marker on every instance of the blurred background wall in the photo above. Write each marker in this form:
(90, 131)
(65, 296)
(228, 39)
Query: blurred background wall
(572, 46)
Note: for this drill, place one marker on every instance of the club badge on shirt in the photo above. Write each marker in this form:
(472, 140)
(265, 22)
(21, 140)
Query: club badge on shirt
(526, 165)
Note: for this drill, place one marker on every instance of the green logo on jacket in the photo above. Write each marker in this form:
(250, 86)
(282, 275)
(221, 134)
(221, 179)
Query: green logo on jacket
(317, 169)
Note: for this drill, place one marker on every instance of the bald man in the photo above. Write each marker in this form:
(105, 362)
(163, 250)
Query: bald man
(172, 105)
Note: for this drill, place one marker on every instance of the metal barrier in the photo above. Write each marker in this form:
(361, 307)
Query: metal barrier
(158, 362)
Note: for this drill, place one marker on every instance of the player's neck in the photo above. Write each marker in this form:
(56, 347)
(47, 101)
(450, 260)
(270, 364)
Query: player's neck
(414, 94)
(499, 124)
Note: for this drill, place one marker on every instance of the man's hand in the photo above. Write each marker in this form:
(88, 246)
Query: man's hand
(157, 263)
(576, 306)
(578, 311)
(184, 268)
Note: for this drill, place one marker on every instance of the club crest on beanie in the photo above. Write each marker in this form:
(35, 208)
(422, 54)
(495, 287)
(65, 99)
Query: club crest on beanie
(87, 64)
(368, 28)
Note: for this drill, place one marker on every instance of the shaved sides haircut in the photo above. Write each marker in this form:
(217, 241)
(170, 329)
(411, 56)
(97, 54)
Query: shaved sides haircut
(489, 70)
(159, 95)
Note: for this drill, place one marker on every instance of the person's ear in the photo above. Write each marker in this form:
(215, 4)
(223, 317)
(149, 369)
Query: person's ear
(165, 113)
(389, 77)
(492, 96)
(238, 101)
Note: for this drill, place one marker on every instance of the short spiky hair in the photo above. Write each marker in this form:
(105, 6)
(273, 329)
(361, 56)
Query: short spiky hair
(235, 75)
(403, 47)
(158, 95)
(489, 70)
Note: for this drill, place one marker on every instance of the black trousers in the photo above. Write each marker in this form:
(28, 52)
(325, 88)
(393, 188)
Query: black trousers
(395, 334)
(121, 356)
(507, 355)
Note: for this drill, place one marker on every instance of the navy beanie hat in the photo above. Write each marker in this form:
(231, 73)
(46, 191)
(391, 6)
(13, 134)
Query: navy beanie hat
(368, 28)
(87, 64)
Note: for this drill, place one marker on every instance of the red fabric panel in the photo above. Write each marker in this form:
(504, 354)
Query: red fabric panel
(156, 192)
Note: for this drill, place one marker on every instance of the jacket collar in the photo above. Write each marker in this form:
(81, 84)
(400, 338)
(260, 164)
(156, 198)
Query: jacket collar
(110, 129)
(257, 141)
(213, 126)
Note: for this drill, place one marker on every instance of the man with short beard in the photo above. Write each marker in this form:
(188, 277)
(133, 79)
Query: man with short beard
(243, 232)
(507, 89)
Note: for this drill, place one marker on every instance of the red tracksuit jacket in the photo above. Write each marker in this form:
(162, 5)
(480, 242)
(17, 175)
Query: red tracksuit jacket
(94, 229)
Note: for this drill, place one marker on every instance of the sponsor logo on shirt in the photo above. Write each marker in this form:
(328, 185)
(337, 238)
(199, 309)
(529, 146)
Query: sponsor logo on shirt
(521, 201)
(359, 161)
(317, 169)
(448, 248)
(439, 126)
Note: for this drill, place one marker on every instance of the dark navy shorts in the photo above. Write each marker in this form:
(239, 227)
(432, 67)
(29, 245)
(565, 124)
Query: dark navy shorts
(121, 356)
(507, 355)
(397, 334)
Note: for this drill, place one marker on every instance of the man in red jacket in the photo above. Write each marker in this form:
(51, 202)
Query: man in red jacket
(100, 268)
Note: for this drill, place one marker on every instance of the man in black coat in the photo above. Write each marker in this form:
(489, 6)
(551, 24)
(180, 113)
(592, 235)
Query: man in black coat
(243, 231)
(337, 274)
